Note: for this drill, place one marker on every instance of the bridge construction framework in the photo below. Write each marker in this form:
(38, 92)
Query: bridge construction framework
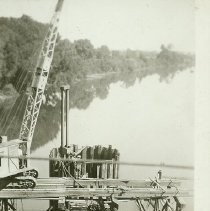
(94, 194)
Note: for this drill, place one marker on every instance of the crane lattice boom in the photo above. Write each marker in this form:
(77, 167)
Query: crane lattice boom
(40, 77)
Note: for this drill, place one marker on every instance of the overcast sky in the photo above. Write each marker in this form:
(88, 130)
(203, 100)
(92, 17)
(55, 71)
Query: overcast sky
(119, 24)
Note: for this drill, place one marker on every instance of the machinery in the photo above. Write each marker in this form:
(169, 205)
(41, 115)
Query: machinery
(13, 172)
(16, 172)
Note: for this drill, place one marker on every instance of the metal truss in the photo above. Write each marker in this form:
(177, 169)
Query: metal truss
(36, 91)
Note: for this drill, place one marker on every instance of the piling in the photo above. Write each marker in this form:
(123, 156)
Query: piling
(67, 117)
(62, 116)
(72, 168)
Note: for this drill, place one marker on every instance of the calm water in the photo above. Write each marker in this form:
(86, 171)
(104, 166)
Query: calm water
(151, 121)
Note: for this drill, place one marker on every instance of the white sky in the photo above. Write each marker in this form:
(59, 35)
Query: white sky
(119, 24)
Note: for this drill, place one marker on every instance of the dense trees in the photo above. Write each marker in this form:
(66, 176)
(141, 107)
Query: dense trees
(20, 42)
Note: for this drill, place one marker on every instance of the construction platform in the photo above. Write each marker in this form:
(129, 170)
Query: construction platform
(55, 188)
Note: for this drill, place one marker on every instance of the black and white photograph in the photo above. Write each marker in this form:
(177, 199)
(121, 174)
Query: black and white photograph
(97, 105)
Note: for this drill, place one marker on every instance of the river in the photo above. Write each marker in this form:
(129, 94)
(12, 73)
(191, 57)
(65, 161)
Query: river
(150, 121)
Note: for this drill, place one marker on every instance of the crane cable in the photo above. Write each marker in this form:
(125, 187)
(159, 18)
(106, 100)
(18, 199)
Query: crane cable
(5, 115)
(20, 105)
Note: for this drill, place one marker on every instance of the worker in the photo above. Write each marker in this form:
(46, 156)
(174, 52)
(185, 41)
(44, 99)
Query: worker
(159, 175)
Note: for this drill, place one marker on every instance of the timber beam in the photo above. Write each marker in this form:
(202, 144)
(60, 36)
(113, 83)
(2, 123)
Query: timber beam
(120, 194)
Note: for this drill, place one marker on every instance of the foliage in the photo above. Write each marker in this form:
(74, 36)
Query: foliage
(20, 42)
(88, 70)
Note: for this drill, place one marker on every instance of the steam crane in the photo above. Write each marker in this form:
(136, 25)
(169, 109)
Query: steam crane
(17, 172)
(36, 91)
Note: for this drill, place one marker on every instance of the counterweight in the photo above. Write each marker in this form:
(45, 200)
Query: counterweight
(40, 77)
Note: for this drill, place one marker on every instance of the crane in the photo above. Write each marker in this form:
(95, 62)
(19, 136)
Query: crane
(17, 172)
(39, 81)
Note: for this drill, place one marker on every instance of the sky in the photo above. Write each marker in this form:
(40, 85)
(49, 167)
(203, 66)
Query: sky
(119, 24)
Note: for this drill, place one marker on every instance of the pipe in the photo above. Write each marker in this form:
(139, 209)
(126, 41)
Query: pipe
(62, 115)
(67, 120)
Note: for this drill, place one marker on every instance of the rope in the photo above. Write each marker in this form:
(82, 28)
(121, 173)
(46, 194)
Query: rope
(5, 115)
(68, 173)
(12, 107)
(17, 120)
(18, 109)
(14, 164)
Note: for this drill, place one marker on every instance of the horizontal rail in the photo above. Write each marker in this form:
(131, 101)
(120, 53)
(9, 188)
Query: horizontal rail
(163, 165)
(53, 188)
(106, 182)
(97, 183)
(128, 193)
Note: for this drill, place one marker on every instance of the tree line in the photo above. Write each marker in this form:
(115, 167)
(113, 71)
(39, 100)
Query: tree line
(20, 43)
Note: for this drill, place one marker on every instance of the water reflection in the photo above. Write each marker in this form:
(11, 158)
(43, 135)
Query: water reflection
(149, 122)
(82, 94)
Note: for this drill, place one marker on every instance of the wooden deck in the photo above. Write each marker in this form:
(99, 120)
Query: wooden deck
(55, 188)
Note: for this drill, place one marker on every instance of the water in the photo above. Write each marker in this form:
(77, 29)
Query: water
(151, 121)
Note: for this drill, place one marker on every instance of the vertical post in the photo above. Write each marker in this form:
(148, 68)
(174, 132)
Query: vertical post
(117, 165)
(91, 165)
(62, 115)
(84, 156)
(67, 115)
(109, 165)
(5, 204)
(104, 170)
(98, 171)
(61, 204)
(111, 170)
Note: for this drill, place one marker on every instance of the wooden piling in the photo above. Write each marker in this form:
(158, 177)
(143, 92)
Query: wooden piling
(80, 170)
(93, 170)
(84, 157)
